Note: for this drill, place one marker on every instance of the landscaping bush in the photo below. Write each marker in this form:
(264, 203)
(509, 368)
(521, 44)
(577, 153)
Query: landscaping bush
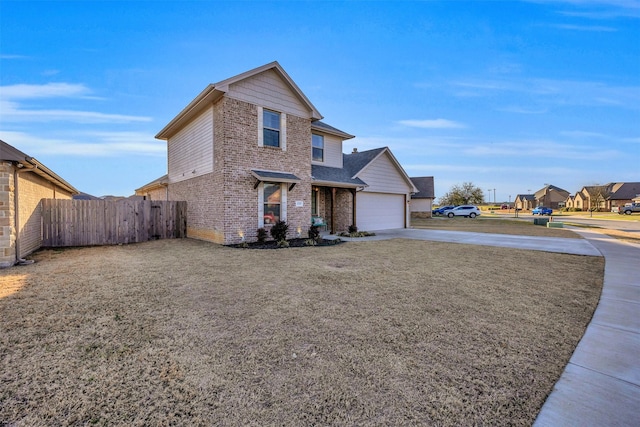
(353, 229)
(314, 232)
(262, 235)
(279, 231)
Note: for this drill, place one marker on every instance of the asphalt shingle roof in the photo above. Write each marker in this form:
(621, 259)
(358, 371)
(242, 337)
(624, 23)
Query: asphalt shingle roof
(424, 184)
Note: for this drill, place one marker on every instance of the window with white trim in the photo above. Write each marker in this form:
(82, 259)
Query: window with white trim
(272, 202)
(317, 148)
(271, 128)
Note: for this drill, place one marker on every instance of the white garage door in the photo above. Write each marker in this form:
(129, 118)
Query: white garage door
(379, 211)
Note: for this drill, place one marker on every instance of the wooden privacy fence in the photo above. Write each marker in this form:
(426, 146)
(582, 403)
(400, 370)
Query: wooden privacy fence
(101, 222)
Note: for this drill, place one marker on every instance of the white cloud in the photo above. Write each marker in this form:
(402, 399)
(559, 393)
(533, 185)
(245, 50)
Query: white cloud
(89, 144)
(540, 148)
(12, 111)
(49, 90)
(582, 134)
(545, 92)
(595, 28)
(433, 124)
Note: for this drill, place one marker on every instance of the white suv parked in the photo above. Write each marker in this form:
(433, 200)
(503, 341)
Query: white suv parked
(469, 211)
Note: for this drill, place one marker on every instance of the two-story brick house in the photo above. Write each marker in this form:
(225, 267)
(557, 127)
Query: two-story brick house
(251, 150)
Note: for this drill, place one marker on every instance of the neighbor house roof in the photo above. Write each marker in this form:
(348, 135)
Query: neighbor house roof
(23, 161)
(424, 184)
(161, 182)
(627, 191)
(549, 188)
(526, 196)
(215, 91)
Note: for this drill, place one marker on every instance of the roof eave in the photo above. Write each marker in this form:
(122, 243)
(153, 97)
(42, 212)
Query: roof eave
(337, 184)
(396, 164)
(336, 132)
(40, 169)
(207, 97)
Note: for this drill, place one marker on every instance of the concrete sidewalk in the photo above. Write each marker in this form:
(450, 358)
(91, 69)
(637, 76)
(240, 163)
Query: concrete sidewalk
(601, 384)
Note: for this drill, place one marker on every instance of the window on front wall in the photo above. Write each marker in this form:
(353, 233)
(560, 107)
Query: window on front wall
(272, 201)
(271, 128)
(317, 148)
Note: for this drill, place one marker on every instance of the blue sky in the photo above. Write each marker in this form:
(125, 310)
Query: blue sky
(507, 95)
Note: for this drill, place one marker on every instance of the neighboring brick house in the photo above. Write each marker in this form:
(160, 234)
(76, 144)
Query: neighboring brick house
(551, 196)
(251, 150)
(604, 197)
(24, 181)
(622, 193)
(422, 201)
(524, 202)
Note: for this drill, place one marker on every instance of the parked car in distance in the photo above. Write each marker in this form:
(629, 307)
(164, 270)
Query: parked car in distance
(627, 209)
(441, 209)
(542, 210)
(505, 206)
(467, 211)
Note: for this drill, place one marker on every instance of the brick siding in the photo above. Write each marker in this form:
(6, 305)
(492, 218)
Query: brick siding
(31, 189)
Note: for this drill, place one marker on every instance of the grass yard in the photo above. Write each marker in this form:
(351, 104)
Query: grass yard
(492, 225)
(183, 332)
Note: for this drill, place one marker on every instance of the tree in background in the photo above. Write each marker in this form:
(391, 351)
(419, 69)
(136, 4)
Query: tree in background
(465, 194)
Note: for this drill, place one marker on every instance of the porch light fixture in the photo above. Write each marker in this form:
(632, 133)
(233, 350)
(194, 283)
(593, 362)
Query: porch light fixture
(299, 231)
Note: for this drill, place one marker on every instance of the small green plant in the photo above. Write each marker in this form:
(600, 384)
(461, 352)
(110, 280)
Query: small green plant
(283, 244)
(310, 242)
(353, 229)
(262, 235)
(279, 231)
(314, 232)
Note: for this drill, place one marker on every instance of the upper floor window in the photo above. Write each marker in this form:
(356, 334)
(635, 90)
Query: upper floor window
(317, 148)
(271, 128)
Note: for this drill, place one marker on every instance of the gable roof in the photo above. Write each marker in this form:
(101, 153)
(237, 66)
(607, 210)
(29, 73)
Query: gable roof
(526, 197)
(23, 161)
(627, 191)
(357, 162)
(424, 184)
(549, 188)
(215, 91)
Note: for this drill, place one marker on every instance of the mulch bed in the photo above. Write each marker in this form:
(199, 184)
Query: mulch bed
(293, 243)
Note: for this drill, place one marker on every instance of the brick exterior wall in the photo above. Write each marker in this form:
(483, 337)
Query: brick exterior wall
(238, 151)
(344, 208)
(224, 204)
(7, 232)
(31, 189)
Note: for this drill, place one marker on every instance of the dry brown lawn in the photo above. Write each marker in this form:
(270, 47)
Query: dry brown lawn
(183, 332)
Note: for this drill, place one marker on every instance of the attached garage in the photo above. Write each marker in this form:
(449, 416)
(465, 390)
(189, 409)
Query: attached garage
(380, 211)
